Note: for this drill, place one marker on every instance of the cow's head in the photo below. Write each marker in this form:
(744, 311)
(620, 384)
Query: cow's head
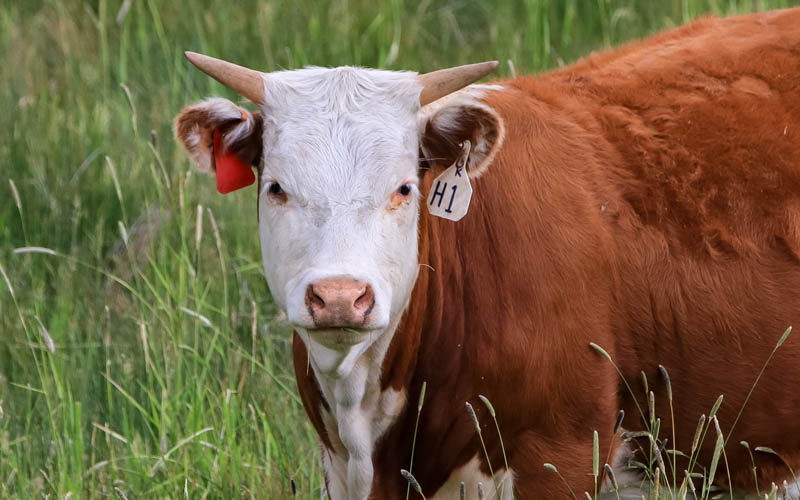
(337, 152)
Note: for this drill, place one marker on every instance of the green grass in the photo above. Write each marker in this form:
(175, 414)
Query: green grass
(142, 355)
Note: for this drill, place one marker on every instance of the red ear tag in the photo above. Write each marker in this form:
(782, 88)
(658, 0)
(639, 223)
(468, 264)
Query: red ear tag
(232, 172)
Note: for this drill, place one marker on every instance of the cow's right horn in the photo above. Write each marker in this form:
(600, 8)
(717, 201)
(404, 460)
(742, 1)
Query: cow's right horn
(438, 84)
(244, 81)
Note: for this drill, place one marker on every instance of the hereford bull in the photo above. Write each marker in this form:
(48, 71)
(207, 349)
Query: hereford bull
(646, 199)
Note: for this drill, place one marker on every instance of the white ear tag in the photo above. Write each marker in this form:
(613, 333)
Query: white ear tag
(451, 192)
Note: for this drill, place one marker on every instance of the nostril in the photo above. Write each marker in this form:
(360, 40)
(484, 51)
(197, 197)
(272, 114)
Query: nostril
(313, 299)
(365, 301)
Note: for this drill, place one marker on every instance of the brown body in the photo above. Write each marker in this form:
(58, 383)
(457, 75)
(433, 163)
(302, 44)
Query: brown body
(645, 199)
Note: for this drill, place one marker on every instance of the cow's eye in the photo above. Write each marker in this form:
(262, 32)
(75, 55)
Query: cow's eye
(276, 192)
(401, 196)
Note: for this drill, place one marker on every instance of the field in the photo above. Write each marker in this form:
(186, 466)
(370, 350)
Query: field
(139, 351)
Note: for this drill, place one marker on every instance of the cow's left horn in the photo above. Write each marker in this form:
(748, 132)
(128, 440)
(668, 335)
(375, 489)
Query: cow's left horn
(244, 81)
(438, 84)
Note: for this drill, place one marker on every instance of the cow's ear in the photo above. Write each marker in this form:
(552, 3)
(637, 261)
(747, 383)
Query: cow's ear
(446, 126)
(221, 138)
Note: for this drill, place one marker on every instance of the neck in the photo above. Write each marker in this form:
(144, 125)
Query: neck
(353, 398)
(342, 395)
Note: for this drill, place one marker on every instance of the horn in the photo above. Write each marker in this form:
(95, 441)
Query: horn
(438, 84)
(244, 81)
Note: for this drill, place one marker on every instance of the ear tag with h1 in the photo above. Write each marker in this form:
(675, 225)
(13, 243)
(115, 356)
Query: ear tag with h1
(232, 172)
(451, 192)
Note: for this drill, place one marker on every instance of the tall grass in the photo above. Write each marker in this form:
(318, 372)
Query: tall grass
(138, 351)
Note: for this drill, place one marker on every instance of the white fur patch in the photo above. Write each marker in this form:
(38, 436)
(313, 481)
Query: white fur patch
(470, 474)
(790, 490)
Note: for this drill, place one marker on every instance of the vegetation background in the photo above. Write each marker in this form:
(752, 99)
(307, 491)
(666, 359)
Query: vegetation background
(139, 355)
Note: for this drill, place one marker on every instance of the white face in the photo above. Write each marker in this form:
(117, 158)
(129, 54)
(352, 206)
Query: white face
(342, 145)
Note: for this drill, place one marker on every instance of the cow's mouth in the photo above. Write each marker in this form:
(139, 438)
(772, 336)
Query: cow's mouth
(339, 336)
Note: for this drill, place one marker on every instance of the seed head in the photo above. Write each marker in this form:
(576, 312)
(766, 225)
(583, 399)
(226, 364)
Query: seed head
(411, 480)
(474, 417)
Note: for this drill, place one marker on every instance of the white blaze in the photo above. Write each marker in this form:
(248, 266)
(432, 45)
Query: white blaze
(340, 142)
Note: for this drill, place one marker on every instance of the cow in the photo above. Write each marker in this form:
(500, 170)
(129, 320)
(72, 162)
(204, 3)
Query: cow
(645, 200)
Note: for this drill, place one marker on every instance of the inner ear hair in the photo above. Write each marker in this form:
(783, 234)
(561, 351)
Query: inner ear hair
(451, 126)
(248, 147)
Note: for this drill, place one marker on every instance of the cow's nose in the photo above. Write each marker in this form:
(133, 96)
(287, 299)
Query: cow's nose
(339, 302)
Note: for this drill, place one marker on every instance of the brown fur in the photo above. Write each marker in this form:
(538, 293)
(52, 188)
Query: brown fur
(645, 199)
